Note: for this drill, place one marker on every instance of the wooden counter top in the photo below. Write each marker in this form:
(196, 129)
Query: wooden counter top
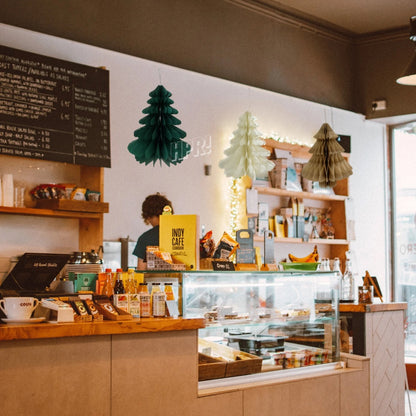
(373, 307)
(50, 330)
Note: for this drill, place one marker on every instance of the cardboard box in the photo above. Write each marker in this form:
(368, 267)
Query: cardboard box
(278, 175)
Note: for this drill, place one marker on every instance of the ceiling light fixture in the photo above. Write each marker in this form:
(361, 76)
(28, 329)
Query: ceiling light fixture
(409, 75)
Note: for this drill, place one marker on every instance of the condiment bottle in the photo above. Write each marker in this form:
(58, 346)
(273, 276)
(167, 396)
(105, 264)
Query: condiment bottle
(145, 304)
(158, 301)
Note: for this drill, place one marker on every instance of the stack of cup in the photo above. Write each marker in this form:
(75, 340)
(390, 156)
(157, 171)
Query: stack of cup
(7, 190)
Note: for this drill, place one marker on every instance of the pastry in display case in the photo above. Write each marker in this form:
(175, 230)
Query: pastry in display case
(285, 319)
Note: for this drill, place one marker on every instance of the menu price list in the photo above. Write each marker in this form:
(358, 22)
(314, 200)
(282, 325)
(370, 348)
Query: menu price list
(53, 109)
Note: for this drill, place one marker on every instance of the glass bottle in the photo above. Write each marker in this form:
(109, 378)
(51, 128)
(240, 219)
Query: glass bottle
(169, 291)
(130, 283)
(120, 298)
(325, 266)
(348, 283)
(108, 284)
(145, 304)
(336, 268)
(158, 301)
(119, 286)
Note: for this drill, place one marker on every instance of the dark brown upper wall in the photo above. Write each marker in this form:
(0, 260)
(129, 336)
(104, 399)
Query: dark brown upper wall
(381, 62)
(216, 38)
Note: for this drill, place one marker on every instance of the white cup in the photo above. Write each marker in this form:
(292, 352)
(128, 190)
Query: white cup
(18, 307)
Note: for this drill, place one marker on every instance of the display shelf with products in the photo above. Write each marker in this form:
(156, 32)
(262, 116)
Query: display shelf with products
(90, 216)
(333, 201)
(288, 319)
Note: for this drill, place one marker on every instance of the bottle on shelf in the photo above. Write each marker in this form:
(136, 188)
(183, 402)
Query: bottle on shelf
(108, 284)
(120, 298)
(348, 285)
(169, 295)
(324, 267)
(119, 285)
(145, 304)
(337, 268)
(130, 282)
(158, 301)
(169, 291)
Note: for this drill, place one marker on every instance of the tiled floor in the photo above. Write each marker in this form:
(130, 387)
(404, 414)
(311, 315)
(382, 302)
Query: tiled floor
(410, 409)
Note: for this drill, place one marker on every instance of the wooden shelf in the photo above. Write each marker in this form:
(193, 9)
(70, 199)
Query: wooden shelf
(50, 213)
(300, 241)
(336, 203)
(299, 194)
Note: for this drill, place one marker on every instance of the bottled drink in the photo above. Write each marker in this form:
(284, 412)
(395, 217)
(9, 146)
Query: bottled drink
(134, 297)
(108, 284)
(348, 283)
(119, 286)
(158, 301)
(145, 308)
(130, 284)
(120, 298)
(169, 291)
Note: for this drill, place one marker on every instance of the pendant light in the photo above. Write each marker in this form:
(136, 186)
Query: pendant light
(409, 75)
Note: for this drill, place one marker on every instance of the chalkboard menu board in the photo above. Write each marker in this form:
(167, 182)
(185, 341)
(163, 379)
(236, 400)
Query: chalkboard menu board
(53, 109)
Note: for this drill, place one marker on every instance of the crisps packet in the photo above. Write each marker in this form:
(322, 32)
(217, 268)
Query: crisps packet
(206, 246)
(226, 247)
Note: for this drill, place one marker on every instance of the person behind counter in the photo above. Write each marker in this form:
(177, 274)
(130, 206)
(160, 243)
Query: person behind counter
(152, 207)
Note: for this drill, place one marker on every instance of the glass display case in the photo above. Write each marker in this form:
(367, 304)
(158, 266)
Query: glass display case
(287, 319)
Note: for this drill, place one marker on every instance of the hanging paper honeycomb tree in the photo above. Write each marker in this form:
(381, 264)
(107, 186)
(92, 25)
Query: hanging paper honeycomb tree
(246, 155)
(159, 138)
(326, 165)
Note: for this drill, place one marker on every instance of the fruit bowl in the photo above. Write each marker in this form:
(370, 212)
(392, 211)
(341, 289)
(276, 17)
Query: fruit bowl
(310, 266)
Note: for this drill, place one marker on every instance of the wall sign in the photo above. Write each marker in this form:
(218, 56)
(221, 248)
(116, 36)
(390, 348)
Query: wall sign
(53, 109)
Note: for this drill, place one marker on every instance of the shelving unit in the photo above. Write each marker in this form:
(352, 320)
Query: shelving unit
(90, 221)
(334, 247)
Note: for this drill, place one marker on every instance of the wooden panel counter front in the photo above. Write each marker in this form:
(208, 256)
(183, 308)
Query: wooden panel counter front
(378, 333)
(149, 367)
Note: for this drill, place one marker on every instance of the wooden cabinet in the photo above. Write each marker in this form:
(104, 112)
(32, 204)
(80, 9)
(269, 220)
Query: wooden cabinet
(277, 198)
(90, 221)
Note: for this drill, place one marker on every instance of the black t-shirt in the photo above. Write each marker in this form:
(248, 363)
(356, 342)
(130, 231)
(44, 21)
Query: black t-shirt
(148, 238)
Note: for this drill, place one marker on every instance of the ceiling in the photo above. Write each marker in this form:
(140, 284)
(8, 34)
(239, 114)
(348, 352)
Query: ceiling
(352, 17)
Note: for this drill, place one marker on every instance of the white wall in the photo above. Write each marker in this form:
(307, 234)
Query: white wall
(209, 109)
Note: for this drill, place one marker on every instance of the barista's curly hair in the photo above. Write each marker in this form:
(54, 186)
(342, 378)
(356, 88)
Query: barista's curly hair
(153, 205)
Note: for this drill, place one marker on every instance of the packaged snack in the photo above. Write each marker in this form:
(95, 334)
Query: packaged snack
(225, 248)
(206, 246)
(92, 195)
(78, 194)
(67, 189)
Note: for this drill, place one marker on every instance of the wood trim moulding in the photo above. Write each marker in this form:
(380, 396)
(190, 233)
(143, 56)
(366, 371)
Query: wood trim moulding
(295, 18)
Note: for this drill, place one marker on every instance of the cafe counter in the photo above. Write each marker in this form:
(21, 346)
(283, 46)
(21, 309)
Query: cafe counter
(149, 366)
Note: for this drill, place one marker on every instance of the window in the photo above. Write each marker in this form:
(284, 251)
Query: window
(403, 174)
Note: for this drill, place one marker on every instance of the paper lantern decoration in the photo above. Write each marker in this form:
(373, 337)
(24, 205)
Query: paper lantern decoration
(326, 165)
(246, 155)
(159, 138)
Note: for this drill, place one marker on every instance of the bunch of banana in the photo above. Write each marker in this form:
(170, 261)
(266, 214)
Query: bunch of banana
(310, 258)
